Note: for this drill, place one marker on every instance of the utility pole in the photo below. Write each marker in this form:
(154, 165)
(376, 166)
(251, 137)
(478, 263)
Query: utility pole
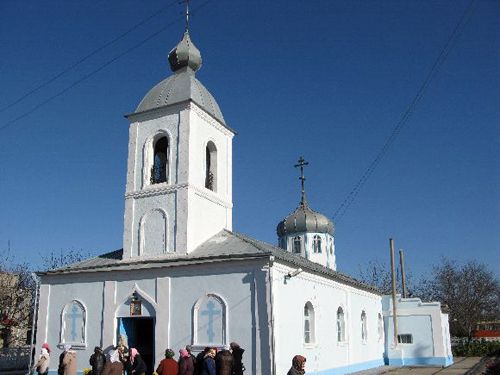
(393, 273)
(403, 275)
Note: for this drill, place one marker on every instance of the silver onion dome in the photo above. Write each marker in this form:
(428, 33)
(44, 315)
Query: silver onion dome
(305, 220)
(185, 60)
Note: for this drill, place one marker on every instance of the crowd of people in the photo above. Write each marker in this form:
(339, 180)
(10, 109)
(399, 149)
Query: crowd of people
(123, 360)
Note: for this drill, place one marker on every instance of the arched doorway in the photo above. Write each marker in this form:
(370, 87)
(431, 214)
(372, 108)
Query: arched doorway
(136, 320)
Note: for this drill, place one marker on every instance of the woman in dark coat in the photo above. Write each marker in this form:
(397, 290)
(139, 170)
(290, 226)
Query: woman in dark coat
(138, 367)
(237, 352)
(209, 363)
(224, 362)
(97, 361)
(186, 363)
(298, 365)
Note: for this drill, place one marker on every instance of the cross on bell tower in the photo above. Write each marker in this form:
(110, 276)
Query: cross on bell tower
(301, 163)
(187, 14)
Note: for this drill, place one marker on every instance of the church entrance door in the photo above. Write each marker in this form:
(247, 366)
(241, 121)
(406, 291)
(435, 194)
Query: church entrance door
(140, 333)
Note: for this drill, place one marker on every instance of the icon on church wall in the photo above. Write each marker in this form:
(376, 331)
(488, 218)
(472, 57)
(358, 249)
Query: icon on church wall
(135, 308)
(135, 305)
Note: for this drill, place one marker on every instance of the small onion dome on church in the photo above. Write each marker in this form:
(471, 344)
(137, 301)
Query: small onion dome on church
(185, 60)
(185, 54)
(304, 219)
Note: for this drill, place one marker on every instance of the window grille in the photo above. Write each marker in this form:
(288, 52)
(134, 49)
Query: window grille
(406, 338)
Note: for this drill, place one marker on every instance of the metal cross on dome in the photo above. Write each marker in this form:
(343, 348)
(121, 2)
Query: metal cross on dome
(187, 13)
(301, 164)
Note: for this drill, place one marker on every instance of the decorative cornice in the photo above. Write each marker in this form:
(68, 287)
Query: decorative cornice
(159, 189)
(210, 119)
(208, 194)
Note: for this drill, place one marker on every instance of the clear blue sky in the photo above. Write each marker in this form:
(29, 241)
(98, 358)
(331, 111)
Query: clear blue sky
(324, 79)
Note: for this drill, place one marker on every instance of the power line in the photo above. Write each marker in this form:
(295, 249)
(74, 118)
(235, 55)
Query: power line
(464, 19)
(98, 69)
(86, 57)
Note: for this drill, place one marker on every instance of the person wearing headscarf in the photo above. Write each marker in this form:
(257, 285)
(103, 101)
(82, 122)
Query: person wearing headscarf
(114, 365)
(168, 365)
(138, 367)
(97, 361)
(237, 353)
(69, 364)
(298, 366)
(186, 363)
(189, 349)
(224, 362)
(42, 366)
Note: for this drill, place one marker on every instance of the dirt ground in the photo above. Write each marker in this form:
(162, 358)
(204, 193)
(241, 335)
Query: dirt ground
(460, 367)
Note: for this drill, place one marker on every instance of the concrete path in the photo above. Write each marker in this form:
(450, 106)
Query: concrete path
(460, 367)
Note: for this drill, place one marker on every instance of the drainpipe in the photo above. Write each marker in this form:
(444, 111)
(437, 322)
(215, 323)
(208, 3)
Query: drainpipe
(271, 320)
(34, 321)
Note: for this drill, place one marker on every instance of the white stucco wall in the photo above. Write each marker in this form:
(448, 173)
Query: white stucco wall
(326, 355)
(170, 294)
(428, 327)
(183, 198)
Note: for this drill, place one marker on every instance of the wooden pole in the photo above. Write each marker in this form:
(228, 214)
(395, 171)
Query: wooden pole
(393, 273)
(403, 275)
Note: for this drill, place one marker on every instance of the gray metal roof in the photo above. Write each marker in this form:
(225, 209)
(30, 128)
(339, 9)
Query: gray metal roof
(224, 246)
(185, 60)
(177, 88)
(304, 220)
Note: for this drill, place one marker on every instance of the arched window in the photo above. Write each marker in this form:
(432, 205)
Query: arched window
(317, 244)
(159, 169)
(380, 327)
(153, 233)
(283, 243)
(297, 245)
(308, 323)
(211, 166)
(364, 331)
(330, 247)
(73, 320)
(209, 321)
(340, 325)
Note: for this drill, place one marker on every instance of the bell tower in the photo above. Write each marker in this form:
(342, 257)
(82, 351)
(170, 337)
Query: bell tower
(179, 171)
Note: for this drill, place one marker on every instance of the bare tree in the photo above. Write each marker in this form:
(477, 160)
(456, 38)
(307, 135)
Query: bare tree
(471, 292)
(63, 258)
(17, 293)
(378, 274)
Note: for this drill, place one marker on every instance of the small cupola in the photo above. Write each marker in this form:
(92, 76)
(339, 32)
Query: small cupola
(306, 232)
(185, 54)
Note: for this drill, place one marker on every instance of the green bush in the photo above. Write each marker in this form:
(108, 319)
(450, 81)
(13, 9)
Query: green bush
(475, 348)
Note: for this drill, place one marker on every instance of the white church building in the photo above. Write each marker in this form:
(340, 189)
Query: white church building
(183, 277)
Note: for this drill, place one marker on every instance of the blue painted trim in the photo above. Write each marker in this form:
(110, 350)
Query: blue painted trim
(426, 361)
(351, 368)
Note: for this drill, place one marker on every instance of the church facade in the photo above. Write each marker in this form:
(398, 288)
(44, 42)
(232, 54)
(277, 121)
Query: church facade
(184, 277)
